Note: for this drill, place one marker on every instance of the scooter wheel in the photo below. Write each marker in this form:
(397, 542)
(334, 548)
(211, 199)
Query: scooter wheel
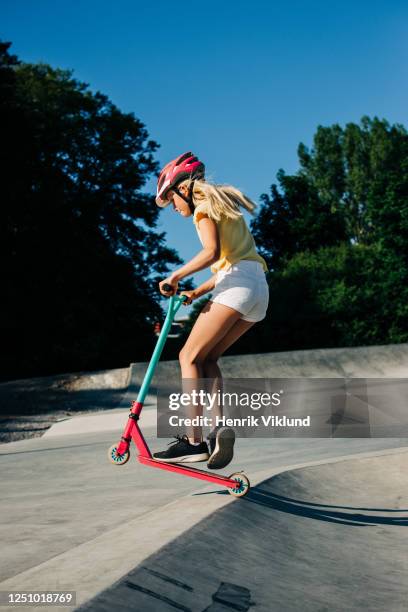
(115, 458)
(242, 487)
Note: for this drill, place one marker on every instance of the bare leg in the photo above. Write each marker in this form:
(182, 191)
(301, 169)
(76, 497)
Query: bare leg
(212, 324)
(210, 366)
(213, 376)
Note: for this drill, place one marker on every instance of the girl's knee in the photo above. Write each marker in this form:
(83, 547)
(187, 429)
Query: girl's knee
(182, 357)
(189, 357)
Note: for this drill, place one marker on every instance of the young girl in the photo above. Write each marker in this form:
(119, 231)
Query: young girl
(239, 289)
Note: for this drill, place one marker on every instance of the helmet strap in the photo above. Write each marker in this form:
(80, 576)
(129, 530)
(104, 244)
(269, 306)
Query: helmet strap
(189, 199)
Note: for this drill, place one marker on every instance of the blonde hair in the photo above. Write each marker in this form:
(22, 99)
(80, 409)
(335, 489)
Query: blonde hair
(221, 200)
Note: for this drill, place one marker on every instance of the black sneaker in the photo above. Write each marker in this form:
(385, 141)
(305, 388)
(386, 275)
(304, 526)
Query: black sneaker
(181, 451)
(221, 447)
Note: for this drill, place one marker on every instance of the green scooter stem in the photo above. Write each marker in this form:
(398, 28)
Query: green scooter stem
(174, 304)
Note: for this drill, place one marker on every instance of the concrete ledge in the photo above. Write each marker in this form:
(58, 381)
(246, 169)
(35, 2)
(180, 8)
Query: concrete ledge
(377, 361)
(105, 420)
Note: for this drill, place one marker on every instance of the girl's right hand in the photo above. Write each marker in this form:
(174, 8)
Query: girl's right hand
(190, 297)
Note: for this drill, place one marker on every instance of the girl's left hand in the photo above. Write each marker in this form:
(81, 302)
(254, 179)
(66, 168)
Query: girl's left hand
(168, 281)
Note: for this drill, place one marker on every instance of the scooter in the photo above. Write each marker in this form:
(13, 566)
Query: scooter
(237, 484)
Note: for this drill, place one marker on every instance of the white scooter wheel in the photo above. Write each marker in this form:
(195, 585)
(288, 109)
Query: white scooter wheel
(115, 458)
(242, 487)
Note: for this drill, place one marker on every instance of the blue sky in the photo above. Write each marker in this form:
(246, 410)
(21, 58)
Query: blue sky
(238, 83)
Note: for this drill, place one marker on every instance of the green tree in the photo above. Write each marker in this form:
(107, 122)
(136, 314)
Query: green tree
(346, 295)
(81, 254)
(294, 219)
(351, 187)
(339, 296)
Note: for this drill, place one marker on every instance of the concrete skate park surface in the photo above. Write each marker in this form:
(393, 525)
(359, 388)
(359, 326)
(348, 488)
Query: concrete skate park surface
(71, 520)
(329, 537)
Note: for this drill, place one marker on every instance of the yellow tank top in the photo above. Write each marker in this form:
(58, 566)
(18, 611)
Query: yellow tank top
(236, 241)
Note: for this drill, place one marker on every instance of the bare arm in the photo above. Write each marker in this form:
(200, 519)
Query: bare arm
(207, 286)
(209, 254)
(201, 290)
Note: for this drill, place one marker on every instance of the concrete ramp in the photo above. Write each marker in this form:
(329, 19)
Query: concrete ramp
(28, 408)
(355, 362)
(326, 537)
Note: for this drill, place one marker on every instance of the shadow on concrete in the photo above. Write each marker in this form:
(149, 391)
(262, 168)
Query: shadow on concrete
(321, 512)
(304, 503)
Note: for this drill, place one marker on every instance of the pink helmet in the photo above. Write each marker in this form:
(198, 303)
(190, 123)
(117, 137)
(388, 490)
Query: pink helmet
(183, 167)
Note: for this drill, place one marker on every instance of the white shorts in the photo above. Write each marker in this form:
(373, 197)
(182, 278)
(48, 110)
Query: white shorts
(243, 287)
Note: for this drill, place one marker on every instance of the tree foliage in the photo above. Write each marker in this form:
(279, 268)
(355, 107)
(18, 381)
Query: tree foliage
(351, 187)
(81, 255)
